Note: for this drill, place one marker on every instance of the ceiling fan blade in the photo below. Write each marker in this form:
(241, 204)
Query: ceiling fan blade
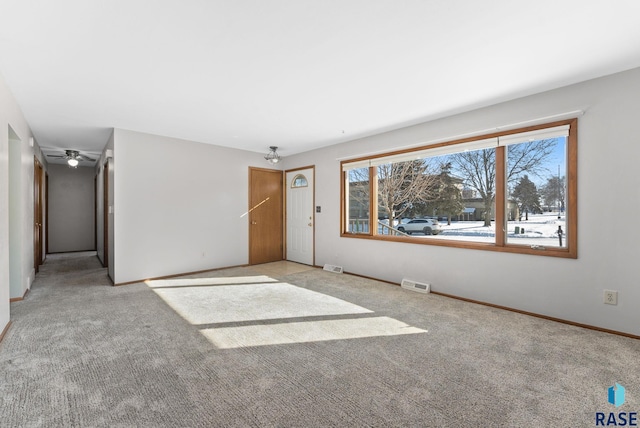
(56, 156)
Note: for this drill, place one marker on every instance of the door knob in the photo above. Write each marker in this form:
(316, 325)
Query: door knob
(310, 224)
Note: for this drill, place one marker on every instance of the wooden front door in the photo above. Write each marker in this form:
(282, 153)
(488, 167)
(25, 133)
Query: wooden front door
(265, 216)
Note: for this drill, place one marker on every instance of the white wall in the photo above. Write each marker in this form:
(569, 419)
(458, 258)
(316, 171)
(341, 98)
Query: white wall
(71, 208)
(608, 205)
(16, 217)
(178, 205)
(4, 206)
(11, 116)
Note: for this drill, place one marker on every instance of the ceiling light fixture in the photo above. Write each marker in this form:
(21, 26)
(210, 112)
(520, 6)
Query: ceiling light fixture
(73, 158)
(273, 157)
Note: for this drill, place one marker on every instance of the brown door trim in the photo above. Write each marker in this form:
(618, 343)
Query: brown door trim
(38, 174)
(95, 212)
(46, 214)
(266, 215)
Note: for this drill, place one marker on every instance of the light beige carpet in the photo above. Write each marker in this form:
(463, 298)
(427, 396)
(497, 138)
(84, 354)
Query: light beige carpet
(309, 349)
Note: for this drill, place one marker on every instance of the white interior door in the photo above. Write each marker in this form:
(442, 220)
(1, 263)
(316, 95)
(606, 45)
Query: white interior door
(300, 216)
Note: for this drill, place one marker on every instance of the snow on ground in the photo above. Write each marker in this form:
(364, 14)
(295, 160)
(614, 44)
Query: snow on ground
(540, 229)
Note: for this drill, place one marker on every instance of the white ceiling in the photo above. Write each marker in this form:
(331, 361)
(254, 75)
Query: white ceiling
(298, 74)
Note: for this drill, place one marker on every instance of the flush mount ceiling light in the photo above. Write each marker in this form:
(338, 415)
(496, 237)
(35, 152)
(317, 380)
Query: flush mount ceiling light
(273, 157)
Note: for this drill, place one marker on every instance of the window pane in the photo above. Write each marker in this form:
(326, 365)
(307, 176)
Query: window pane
(405, 190)
(299, 181)
(442, 197)
(536, 193)
(358, 198)
(470, 214)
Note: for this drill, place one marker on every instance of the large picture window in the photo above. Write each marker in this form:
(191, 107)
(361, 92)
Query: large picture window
(513, 191)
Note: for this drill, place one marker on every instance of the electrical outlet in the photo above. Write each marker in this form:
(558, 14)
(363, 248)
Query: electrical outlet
(610, 297)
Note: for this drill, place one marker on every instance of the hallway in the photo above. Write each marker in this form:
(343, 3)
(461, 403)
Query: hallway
(81, 352)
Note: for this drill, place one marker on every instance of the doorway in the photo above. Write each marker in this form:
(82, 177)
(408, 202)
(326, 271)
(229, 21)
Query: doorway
(105, 214)
(38, 214)
(265, 216)
(300, 218)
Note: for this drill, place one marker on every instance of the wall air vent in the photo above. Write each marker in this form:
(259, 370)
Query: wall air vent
(332, 268)
(415, 286)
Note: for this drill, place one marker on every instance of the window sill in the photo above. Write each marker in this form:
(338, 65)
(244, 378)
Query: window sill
(507, 248)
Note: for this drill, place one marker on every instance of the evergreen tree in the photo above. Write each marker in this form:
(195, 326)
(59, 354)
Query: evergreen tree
(553, 192)
(449, 199)
(527, 196)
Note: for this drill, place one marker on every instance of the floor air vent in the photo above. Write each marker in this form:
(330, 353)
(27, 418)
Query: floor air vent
(332, 268)
(415, 286)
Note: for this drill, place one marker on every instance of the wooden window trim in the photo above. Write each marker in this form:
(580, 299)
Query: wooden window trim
(500, 244)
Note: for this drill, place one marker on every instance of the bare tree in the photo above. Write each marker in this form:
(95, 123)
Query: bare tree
(402, 184)
(478, 167)
(528, 158)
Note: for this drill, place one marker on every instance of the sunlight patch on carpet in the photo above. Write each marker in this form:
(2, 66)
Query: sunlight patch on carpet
(201, 305)
(310, 331)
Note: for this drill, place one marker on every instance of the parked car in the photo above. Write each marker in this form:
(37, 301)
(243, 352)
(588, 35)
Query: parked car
(386, 221)
(428, 226)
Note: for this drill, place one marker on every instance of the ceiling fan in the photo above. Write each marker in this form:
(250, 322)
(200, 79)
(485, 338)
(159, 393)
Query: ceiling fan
(73, 157)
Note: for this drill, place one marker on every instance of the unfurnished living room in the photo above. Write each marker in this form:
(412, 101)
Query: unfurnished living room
(319, 214)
